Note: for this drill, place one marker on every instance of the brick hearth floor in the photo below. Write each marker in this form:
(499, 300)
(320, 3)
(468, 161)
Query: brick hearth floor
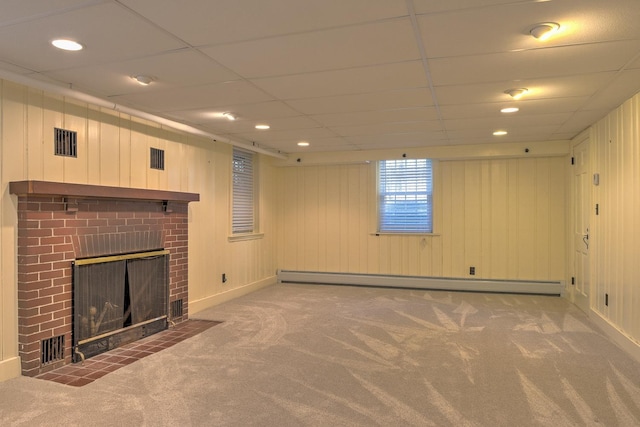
(77, 374)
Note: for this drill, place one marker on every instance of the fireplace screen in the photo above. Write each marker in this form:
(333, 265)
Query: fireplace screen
(118, 299)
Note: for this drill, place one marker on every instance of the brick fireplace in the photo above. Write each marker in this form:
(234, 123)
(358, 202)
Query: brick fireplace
(59, 223)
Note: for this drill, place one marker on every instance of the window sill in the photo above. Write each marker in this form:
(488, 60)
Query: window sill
(387, 233)
(247, 236)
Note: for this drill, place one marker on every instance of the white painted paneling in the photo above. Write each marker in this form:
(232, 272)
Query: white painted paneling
(13, 157)
(494, 215)
(616, 230)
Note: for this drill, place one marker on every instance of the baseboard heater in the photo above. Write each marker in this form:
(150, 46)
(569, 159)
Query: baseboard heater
(420, 282)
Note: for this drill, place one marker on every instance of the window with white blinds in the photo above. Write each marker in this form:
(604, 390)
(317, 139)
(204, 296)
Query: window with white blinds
(243, 216)
(405, 198)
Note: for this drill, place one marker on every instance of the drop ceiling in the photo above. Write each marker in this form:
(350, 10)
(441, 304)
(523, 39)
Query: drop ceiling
(339, 74)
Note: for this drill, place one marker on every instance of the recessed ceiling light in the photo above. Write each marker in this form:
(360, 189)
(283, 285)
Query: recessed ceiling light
(262, 127)
(510, 110)
(230, 116)
(544, 30)
(143, 80)
(516, 93)
(65, 44)
(303, 144)
(500, 132)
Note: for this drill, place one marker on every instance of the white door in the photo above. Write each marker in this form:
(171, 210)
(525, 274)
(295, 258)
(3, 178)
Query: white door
(581, 216)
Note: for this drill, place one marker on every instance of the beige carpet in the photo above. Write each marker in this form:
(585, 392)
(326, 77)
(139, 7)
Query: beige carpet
(293, 355)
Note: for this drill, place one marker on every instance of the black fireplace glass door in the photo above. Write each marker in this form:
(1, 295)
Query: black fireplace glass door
(99, 302)
(148, 297)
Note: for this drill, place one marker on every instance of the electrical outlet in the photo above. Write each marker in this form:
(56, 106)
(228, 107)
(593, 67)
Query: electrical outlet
(224, 278)
(472, 271)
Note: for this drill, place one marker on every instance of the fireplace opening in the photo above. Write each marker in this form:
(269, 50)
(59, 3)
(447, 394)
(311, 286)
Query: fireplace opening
(118, 299)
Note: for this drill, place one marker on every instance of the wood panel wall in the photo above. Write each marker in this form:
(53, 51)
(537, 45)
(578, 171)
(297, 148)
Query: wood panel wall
(615, 242)
(113, 149)
(505, 217)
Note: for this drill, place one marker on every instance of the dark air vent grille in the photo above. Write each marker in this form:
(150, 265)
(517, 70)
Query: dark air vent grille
(66, 142)
(176, 308)
(157, 159)
(52, 350)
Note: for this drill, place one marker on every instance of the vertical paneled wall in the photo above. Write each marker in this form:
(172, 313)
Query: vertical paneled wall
(113, 150)
(615, 253)
(505, 217)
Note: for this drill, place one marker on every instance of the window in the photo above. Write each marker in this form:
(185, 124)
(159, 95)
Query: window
(405, 198)
(243, 215)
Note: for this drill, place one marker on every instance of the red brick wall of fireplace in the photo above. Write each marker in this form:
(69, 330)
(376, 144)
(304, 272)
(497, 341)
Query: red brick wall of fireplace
(53, 231)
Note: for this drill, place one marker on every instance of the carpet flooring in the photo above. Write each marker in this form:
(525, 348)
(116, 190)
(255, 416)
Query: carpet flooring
(308, 355)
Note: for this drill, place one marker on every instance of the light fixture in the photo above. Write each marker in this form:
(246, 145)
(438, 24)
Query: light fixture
(143, 80)
(517, 92)
(262, 127)
(66, 44)
(303, 144)
(544, 30)
(500, 132)
(230, 116)
(510, 110)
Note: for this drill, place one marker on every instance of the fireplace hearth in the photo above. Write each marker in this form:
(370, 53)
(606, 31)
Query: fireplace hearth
(63, 229)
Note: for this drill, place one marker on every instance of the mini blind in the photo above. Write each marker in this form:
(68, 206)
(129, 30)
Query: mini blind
(405, 190)
(243, 192)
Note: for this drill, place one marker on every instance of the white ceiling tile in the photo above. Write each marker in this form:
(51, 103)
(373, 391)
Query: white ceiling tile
(108, 32)
(403, 98)
(564, 87)
(16, 11)
(388, 128)
(206, 22)
(430, 6)
(194, 97)
(336, 48)
(343, 82)
(288, 136)
(401, 140)
(169, 70)
(528, 106)
(541, 63)
(507, 122)
(378, 116)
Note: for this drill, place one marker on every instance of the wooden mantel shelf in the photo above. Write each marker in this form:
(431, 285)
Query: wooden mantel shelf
(47, 188)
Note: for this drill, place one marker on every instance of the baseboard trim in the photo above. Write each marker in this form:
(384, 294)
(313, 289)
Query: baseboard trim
(213, 300)
(10, 368)
(418, 282)
(622, 340)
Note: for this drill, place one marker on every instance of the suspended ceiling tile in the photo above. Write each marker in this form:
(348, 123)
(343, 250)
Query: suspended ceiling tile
(379, 116)
(287, 135)
(336, 48)
(206, 22)
(108, 32)
(529, 106)
(362, 102)
(388, 128)
(344, 82)
(17, 11)
(207, 96)
(532, 64)
(541, 89)
(169, 70)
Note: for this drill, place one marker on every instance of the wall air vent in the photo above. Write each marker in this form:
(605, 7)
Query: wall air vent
(157, 159)
(66, 142)
(52, 350)
(176, 308)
